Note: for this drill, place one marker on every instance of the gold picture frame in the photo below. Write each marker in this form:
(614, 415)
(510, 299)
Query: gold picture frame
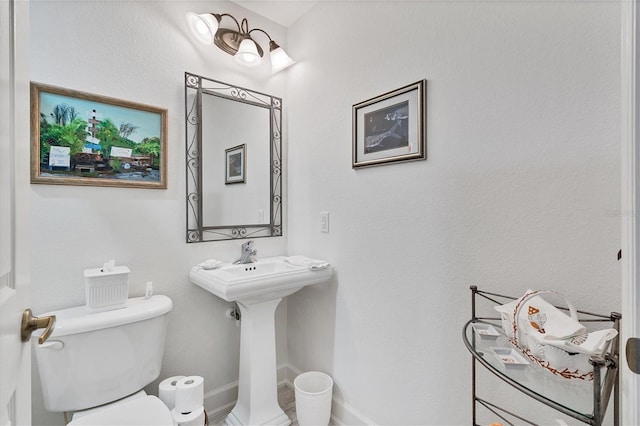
(79, 138)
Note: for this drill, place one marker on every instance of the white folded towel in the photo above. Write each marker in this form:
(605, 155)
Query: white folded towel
(542, 320)
(312, 264)
(593, 343)
(549, 322)
(550, 326)
(210, 264)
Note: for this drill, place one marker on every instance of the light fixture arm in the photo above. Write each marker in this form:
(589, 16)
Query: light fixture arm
(220, 16)
(272, 44)
(262, 31)
(244, 27)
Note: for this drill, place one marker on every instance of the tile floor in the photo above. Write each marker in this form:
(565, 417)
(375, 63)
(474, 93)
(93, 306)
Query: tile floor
(287, 401)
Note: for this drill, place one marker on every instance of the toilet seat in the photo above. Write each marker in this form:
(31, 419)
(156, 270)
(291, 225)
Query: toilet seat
(142, 411)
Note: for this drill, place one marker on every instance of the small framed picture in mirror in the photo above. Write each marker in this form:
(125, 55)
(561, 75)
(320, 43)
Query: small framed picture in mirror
(235, 164)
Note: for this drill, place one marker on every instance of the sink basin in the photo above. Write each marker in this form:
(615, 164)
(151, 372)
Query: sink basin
(268, 278)
(257, 288)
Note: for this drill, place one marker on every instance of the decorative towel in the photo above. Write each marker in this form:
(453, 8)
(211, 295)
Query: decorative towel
(312, 264)
(550, 326)
(594, 343)
(542, 320)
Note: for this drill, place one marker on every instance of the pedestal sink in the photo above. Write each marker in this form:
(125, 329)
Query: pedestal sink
(257, 288)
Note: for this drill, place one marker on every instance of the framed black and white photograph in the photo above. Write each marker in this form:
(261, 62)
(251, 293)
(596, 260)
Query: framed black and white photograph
(235, 164)
(391, 127)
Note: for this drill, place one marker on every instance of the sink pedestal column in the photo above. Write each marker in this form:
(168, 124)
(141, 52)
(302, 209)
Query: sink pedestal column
(258, 383)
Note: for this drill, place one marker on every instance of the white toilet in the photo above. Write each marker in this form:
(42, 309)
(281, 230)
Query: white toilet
(95, 364)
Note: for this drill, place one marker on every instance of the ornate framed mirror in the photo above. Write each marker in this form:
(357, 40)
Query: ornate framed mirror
(233, 161)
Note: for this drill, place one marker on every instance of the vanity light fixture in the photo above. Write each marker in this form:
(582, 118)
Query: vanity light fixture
(205, 27)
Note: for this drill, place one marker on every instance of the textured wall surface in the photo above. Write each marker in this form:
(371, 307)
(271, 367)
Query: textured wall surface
(517, 192)
(519, 189)
(138, 51)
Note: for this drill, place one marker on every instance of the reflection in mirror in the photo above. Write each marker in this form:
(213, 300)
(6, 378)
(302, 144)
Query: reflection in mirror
(227, 124)
(233, 161)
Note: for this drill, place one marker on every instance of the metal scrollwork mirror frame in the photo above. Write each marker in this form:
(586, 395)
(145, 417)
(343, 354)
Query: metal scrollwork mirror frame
(196, 230)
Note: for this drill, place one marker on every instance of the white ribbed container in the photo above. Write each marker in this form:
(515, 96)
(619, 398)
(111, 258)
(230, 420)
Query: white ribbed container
(106, 290)
(314, 391)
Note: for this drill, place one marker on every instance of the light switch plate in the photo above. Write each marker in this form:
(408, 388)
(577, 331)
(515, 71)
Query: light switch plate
(324, 222)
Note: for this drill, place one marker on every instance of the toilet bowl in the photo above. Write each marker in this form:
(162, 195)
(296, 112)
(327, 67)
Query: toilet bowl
(96, 364)
(138, 410)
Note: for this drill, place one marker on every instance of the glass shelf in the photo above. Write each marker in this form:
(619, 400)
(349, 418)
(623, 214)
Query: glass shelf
(570, 396)
(573, 397)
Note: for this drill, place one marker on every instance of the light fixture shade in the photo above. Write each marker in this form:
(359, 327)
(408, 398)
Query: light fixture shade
(247, 54)
(279, 58)
(203, 26)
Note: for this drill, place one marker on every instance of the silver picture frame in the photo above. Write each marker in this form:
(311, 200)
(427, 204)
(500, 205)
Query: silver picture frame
(391, 127)
(235, 164)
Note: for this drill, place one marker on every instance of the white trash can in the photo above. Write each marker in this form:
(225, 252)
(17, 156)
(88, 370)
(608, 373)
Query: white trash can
(313, 398)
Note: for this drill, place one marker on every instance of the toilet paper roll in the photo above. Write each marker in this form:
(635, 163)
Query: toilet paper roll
(194, 418)
(167, 391)
(189, 394)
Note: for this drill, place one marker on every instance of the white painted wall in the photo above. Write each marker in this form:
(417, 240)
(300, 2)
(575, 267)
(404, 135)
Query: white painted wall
(137, 51)
(520, 189)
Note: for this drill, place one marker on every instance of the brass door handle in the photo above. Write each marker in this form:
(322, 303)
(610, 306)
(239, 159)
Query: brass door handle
(31, 323)
(633, 354)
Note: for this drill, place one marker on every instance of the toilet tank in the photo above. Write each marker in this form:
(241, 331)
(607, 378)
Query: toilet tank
(91, 359)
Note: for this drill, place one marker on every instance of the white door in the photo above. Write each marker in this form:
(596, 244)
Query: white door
(15, 368)
(630, 206)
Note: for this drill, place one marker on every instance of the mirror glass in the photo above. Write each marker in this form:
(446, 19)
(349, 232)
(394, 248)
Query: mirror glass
(233, 161)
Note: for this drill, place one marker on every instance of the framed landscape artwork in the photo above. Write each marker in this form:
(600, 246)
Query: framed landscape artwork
(79, 138)
(390, 128)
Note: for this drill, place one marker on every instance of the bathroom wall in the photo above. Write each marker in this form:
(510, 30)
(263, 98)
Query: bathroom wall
(138, 51)
(520, 188)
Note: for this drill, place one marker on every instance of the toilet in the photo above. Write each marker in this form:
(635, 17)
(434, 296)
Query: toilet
(95, 364)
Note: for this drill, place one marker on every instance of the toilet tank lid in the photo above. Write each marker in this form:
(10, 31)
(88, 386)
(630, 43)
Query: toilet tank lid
(81, 320)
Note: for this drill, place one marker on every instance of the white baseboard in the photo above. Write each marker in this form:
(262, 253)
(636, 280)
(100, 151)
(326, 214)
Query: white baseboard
(219, 402)
(287, 374)
(343, 414)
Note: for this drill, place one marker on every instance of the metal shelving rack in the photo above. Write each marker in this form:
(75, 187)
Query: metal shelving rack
(603, 384)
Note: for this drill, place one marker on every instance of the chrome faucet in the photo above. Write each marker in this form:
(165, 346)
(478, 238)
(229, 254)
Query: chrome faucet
(248, 254)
